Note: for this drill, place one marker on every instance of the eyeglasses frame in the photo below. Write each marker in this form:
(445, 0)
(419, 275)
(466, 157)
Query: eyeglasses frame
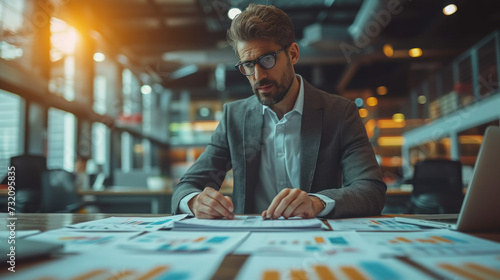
(257, 61)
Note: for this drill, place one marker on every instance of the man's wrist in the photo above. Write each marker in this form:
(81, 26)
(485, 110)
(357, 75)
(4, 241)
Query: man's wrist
(318, 205)
(191, 203)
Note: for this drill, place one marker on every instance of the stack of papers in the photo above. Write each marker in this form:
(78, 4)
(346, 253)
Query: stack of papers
(249, 223)
(128, 224)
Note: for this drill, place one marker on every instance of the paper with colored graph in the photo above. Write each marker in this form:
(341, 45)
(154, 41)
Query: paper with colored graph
(129, 223)
(186, 242)
(368, 224)
(75, 241)
(328, 243)
(332, 267)
(249, 223)
(440, 242)
(469, 267)
(106, 264)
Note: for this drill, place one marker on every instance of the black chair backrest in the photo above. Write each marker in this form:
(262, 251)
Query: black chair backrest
(437, 187)
(29, 170)
(58, 190)
(437, 176)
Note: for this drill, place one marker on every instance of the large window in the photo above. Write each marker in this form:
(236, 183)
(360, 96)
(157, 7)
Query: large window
(100, 145)
(63, 41)
(14, 36)
(11, 128)
(61, 140)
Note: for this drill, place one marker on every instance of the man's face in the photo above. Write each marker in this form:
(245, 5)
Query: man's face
(269, 85)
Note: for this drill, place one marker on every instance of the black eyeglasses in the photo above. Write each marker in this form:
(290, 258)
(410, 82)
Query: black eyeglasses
(266, 61)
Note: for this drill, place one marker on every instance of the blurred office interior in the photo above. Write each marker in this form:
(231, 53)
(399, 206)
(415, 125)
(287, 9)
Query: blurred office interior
(124, 94)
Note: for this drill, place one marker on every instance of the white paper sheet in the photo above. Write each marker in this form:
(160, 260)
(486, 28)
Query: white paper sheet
(306, 243)
(469, 267)
(369, 224)
(116, 265)
(186, 242)
(439, 242)
(76, 242)
(248, 223)
(340, 266)
(128, 224)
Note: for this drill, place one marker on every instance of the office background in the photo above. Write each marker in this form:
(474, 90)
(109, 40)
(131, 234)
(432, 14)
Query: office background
(124, 94)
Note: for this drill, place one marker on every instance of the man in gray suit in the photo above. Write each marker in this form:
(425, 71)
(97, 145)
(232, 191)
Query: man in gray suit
(295, 151)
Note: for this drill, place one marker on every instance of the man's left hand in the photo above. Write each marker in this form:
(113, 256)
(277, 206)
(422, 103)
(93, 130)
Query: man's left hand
(293, 203)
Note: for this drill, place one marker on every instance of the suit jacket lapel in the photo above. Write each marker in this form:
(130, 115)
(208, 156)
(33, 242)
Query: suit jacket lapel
(252, 145)
(310, 136)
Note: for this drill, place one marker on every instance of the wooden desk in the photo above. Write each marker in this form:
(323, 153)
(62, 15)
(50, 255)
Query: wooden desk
(44, 222)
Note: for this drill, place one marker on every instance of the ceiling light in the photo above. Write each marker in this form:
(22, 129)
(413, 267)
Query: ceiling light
(363, 112)
(398, 117)
(421, 99)
(372, 101)
(381, 90)
(388, 50)
(145, 89)
(233, 12)
(415, 52)
(450, 9)
(99, 57)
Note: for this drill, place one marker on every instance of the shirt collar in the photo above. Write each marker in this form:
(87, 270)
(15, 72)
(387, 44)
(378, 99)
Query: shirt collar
(299, 102)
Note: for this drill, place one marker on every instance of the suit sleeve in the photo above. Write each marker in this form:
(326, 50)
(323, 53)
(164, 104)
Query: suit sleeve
(210, 168)
(363, 190)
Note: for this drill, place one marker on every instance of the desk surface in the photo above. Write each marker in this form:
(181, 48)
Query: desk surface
(44, 222)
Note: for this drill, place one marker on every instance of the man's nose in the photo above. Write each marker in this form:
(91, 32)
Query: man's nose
(259, 73)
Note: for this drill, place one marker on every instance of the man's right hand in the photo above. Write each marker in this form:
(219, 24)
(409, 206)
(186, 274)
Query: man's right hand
(211, 204)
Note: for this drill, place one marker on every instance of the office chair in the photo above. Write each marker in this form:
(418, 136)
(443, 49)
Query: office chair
(29, 169)
(59, 192)
(437, 187)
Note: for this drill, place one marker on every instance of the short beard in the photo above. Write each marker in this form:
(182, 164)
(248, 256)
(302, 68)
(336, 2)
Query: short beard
(281, 89)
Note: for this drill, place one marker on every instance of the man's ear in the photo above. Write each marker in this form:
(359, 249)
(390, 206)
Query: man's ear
(294, 53)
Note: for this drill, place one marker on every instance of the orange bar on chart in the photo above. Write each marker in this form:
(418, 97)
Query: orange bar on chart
(90, 274)
(296, 274)
(271, 275)
(375, 222)
(199, 239)
(153, 272)
(426, 241)
(122, 275)
(402, 239)
(319, 240)
(460, 272)
(484, 270)
(442, 239)
(353, 273)
(324, 273)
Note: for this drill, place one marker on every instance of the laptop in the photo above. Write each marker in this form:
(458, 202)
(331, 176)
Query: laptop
(481, 207)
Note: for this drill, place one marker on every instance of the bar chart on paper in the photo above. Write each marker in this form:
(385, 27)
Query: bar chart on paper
(186, 242)
(470, 267)
(303, 242)
(432, 243)
(272, 268)
(75, 241)
(119, 266)
(368, 224)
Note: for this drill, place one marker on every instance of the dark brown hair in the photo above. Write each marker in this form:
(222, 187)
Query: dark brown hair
(261, 22)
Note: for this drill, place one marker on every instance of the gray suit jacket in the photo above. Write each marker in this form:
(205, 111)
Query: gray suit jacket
(336, 158)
